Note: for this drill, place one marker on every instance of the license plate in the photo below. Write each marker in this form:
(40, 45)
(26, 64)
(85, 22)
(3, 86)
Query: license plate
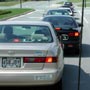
(65, 37)
(8, 62)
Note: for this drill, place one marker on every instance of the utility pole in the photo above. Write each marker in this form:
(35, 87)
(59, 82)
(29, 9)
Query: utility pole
(20, 3)
(85, 3)
(80, 55)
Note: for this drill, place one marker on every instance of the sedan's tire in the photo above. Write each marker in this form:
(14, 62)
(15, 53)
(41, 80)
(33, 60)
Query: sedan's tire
(58, 86)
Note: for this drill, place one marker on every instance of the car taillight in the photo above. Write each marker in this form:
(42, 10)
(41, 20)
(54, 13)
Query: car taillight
(57, 29)
(39, 59)
(51, 59)
(76, 34)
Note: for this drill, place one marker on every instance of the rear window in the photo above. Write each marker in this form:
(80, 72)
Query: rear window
(68, 3)
(63, 22)
(25, 34)
(68, 10)
(58, 12)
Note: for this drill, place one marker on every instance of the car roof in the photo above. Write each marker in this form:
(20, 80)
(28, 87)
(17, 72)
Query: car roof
(64, 8)
(24, 23)
(67, 2)
(55, 9)
(58, 16)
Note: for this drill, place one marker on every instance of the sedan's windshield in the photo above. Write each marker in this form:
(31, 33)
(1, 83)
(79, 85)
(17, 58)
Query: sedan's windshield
(25, 34)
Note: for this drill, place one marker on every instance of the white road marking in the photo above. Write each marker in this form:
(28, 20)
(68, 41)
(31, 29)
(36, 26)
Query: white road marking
(21, 15)
(84, 18)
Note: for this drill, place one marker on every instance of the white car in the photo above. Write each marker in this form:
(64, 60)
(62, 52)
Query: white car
(30, 54)
(56, 11)
(67, 9)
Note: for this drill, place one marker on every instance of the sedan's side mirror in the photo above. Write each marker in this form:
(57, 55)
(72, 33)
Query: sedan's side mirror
(80, 24)
(76, 18)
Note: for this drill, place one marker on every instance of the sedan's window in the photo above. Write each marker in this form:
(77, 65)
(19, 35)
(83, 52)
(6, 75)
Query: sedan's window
(57, 12)
(25, 34)
(68, 3)
(68, 10)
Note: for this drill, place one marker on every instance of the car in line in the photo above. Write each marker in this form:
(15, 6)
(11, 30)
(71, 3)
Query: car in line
(30, 54)
(65, 6)
(56, 11)
(68, 29)
(67, 9)
(69, 4)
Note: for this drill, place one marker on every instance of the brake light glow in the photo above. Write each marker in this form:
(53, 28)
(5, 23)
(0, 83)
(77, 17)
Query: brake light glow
(39, 59)
(76, 34)
(49, 60)
(57, 29)
(16, 40)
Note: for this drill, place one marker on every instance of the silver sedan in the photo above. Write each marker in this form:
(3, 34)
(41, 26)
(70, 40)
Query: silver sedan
(30, 54)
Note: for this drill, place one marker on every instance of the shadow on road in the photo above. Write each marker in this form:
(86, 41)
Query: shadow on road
(70, 78)
(85, 50)
(70, 53)
(26, 87)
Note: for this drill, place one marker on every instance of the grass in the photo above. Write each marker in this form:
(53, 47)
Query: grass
(74, 1)
(60, 3)
(9, 3)
(14, 12)
(77, 1)
(87, 5)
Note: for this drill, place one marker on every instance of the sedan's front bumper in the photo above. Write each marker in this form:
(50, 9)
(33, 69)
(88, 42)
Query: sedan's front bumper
(26, 77)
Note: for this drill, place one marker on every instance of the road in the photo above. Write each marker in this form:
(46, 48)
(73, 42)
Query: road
(70, 77)
(71, 64)
(40, 7)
